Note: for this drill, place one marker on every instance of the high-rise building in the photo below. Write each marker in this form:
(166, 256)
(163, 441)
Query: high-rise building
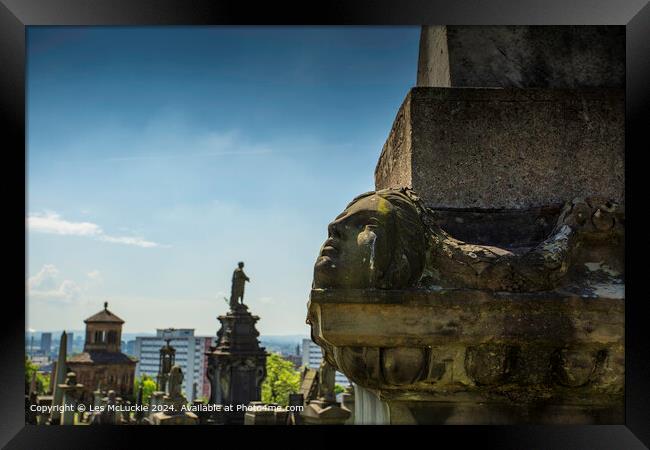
(190, 355)
(130, 347)
(70, 342)
(312, 357)
(46, 343)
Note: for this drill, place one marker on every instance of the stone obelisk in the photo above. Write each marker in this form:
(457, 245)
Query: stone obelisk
(59, 378)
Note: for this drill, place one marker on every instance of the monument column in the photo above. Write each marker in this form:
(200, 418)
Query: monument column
(237, 363)
(165, 363)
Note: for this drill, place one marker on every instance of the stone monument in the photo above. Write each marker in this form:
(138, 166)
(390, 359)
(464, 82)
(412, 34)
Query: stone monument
(58, 379)
(483, 281)
(165, 363)
(325, 410)
(107, 414)
(174, 403)
(71, 391)
(237, 363)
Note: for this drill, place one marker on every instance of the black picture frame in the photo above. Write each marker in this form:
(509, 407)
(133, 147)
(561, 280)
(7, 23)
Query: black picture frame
(15, 15)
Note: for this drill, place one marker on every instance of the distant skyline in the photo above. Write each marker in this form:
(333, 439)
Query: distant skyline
(159, 157)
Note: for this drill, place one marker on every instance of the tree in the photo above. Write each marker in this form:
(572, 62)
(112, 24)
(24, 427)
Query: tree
(338, 389)
(148, 388)
(42, 380)
(281, 380)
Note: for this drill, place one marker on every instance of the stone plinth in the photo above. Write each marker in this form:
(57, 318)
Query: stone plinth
(236, 365)
(506, 148)
(469, 356)
(522, 56)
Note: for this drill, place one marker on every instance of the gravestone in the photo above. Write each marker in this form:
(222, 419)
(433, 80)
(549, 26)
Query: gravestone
(71, 394)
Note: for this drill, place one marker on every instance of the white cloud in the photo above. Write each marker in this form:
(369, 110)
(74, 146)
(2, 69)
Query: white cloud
(45, 278)
(50, 222)
(45, 285)
(94, 275)
(137, 241)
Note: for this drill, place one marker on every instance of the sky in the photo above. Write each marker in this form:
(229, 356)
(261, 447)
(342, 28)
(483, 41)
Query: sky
(159, 157)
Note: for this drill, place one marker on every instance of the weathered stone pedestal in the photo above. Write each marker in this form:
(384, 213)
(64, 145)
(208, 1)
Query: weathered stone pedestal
(506, 148)
(236, 365)
(465, 356)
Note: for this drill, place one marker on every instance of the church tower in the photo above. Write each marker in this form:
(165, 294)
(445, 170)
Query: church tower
(102, 361)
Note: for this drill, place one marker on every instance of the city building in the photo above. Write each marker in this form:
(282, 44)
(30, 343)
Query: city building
(102, 361)
(46, 343)
(40, 360)
(190, 355)
(130, 347)
(296, 360)
(312, 357)
(70, 342)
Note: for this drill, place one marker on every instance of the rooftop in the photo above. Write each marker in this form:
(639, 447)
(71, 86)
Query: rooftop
(104, 316)
(100, 357)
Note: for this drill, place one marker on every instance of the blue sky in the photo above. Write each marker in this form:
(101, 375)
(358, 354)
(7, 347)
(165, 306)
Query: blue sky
(158, 157)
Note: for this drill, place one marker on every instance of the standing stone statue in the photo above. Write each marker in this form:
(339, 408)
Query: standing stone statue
(174, 401)
(175, 382)
(239, 279)
(326, 382)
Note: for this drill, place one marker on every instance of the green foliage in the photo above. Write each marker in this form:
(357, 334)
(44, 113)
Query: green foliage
(281, 380)
(148, 388)
(42, 380)
(338, 389)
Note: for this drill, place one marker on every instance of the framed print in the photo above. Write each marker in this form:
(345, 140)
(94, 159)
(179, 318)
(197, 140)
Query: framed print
(363, 215)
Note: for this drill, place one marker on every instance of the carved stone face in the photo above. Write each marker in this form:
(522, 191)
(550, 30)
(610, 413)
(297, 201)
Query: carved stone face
(377, 242)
